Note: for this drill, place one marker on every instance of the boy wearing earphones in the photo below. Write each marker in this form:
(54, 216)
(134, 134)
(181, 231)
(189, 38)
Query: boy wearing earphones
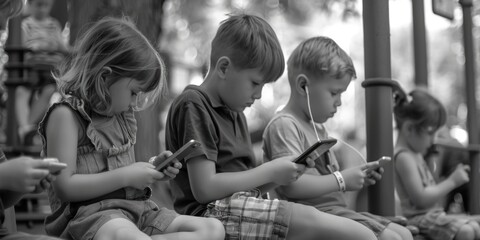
(319, 71)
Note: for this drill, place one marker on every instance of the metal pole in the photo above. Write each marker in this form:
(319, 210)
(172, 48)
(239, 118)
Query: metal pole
(378, 95)
(472, 119)
(419, 43)
(14, 40)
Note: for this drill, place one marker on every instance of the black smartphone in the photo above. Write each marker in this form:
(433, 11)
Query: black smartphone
(180, 154)
(322, 147)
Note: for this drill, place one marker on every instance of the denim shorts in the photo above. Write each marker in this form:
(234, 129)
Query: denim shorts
(247, 216)
(374, 222)
(145, 214)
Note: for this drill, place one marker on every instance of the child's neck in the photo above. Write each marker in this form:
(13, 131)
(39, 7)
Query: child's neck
(402, 143)
(210, 86)
(293, 109)
(302, 118)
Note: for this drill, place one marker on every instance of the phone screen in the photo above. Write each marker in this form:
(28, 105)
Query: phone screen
(180, 154)
(321, 147)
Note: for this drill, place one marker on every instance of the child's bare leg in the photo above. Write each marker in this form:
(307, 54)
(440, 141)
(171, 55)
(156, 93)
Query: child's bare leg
(195, 228)
(310, 223)
(120, 229)
(395, 231)
(466, 232)
(476, 228)
(40, 106)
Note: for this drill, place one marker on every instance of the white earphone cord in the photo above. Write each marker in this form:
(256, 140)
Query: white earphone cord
(311, 115)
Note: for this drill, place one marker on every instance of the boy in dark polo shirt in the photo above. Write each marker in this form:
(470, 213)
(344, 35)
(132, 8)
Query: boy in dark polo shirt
(220, 179)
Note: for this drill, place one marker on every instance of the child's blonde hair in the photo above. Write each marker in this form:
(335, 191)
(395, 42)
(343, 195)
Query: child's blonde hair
(319, 57)
(118, 45)
(250, 42)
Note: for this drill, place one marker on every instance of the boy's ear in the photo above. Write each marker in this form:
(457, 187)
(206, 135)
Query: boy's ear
(301, 82)
(222, 65)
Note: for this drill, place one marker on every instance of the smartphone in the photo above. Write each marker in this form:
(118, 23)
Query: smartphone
(54, 166)
(382, 160)
(321, 147)
(180, 154)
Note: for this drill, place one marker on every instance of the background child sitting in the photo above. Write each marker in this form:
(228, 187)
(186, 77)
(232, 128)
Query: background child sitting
(418, 117)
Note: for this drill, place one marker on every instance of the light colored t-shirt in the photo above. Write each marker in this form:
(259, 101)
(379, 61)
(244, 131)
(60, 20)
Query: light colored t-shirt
(285, 136)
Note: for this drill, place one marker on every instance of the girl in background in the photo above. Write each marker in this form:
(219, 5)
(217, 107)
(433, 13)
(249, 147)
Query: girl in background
(418, 117)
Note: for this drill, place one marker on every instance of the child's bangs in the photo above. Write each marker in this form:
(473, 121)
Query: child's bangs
(272, 66)
(270, 63)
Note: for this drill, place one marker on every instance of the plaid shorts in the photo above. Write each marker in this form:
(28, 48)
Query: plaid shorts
(436, 224)
(247, 216)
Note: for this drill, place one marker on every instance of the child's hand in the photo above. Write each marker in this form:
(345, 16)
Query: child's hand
(460, 175)
(373, 176)
(355, 177)
(141, 175)
(173, 169)
(44, 183)
(22, 174)
(285, 171)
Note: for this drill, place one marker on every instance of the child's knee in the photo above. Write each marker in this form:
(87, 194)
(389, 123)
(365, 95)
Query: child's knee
(388, 234)
(476, 228)
(466, 232)
(213, 229)
(402, 231)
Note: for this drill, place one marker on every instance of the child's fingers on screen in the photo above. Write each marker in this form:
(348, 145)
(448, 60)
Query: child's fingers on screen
(177, 164)
(159, 175)
(371, 166)
(310, 162)
(165, 154)
(172, 170)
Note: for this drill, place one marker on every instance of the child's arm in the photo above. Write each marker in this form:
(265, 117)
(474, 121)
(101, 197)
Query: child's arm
(62, 136)
(411, 180)
(208, 185)
(312, 185)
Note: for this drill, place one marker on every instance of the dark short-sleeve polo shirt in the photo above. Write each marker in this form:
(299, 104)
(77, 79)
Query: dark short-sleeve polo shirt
(223, 135)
